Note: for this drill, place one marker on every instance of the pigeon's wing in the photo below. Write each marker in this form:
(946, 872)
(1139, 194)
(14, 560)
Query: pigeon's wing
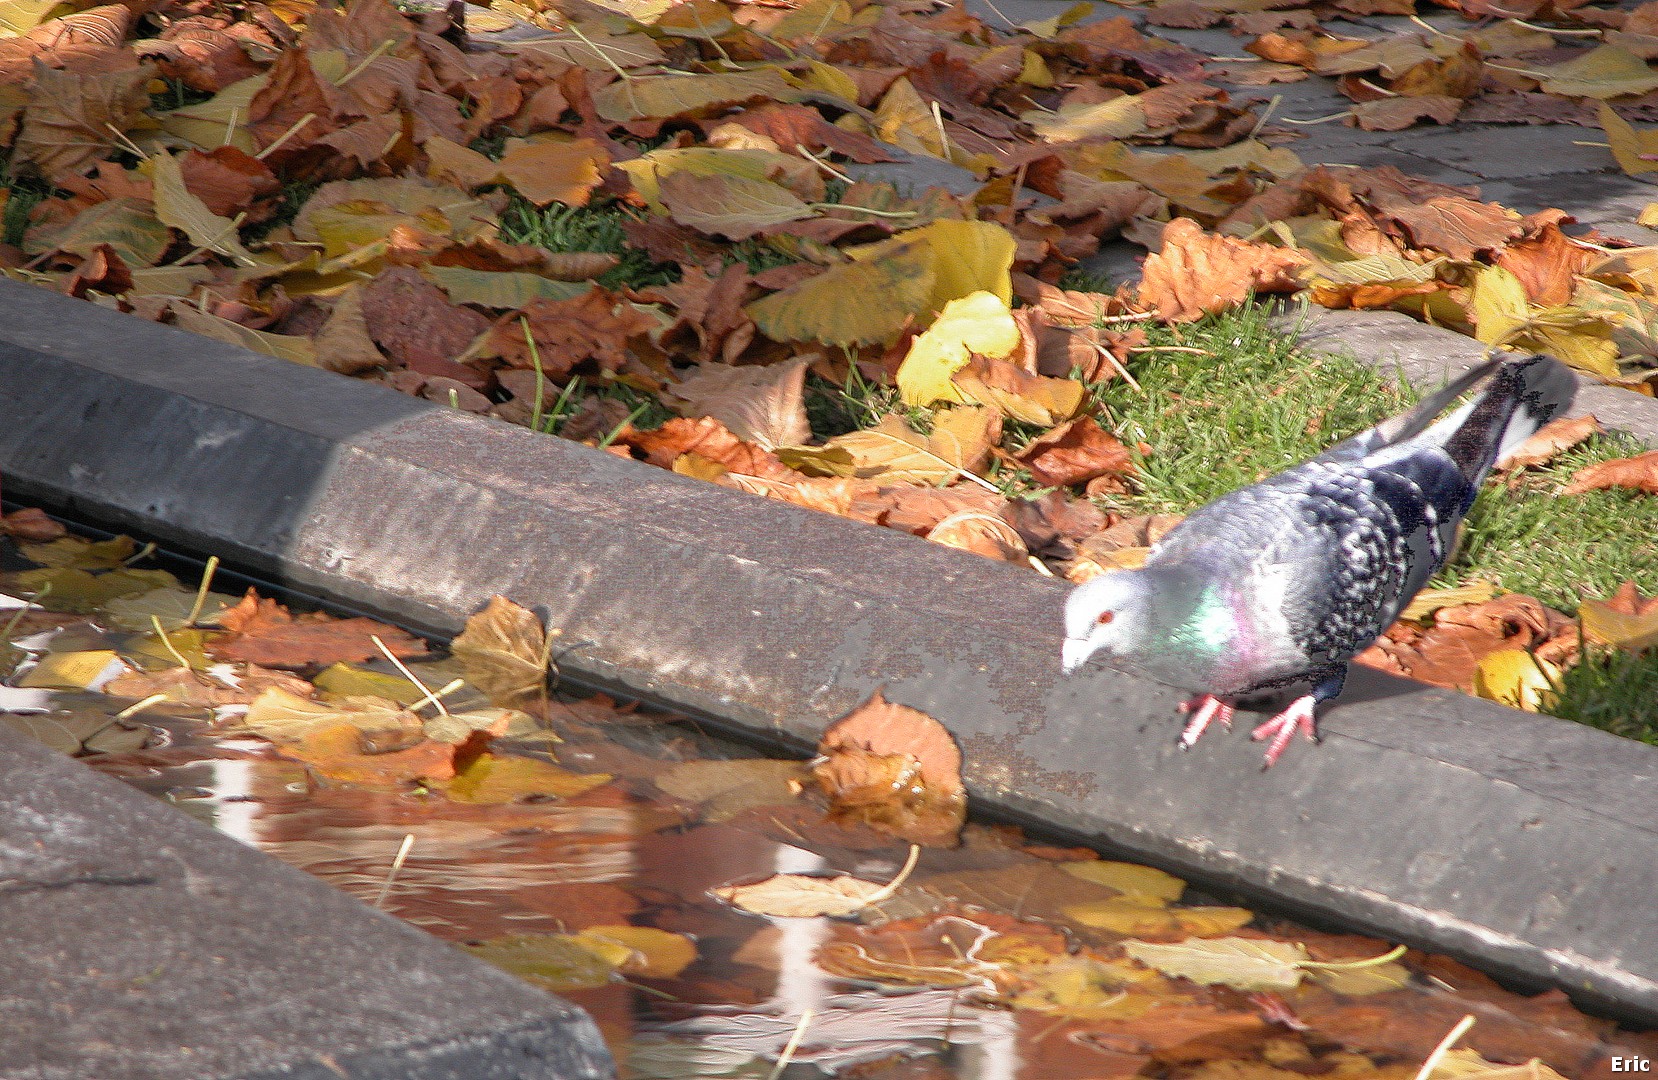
(1411, 422)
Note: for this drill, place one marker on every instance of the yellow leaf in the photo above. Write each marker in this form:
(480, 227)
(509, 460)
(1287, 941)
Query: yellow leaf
(653, 953)
(1636, 151)
(1241, 963)
(797, 896)
(968, 256)
(176, 206)
(1649, 213)
(826, 79)
(1018, 395)
(342, 680)
(1130, 879)
(1081, 988)
(74, 670)
(282, 716)
(964, 435)
(504, 652)
(1469, 1065)
(221, 120)
(893, 452)
(1034, 71)
(494, 778)
(904, 120)
(460, 165)
(1150, 915)
(812, 20)
(977, 323)
(1605, 72)
(1605, 625)
(1499, 305)
(648, 171)
(1517, 678)
(555, 961)
(74, 590)
(290, 347)
(72, 551)
(1429, 601)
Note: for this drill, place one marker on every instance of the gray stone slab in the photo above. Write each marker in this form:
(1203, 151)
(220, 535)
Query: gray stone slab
(1431, 355)
(1522, 843)
(1604, 199)
(141, 945)
(1503, 152)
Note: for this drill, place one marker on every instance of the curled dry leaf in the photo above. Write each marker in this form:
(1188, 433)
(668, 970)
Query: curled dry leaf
(1639, 473)
(1197, 273)
(982, 534)
(1075, 453)
(895, 769)
(709, 439)
(504, 652)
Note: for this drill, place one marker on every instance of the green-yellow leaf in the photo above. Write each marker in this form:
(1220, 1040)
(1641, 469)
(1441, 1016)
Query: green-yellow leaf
(1241, 963)
(661, 96)
(1117, 118)
(1605, 72)
(1636, 151)
(175, 205)
(126, 224)
(836, 307)
(496, 778)
(735, 207)
(221, 120)
(1499, 305)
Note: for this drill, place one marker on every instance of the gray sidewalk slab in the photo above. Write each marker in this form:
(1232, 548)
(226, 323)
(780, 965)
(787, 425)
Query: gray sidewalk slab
(141, 945)
(1521, 843)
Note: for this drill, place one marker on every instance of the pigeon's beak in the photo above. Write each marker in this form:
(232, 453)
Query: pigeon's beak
(1075, 652)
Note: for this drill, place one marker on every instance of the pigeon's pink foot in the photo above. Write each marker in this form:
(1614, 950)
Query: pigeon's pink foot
(1205, 708)
(1282, 728)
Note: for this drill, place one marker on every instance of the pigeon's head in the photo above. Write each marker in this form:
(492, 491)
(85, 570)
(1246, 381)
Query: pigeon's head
(1106, 613)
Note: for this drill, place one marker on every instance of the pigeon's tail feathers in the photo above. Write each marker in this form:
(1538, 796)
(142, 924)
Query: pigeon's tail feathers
(1410, 423)
(1524, 395)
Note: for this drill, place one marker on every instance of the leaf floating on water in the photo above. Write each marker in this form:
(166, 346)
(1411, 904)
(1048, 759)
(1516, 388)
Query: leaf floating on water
(895, 769)
(506, 778)
(800, 896)
(1241, 963)
(1130, 879)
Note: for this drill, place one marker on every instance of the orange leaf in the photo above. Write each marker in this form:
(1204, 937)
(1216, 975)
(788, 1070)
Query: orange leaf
(1640, 473)
(548, 172)
(337, 753)
(896, 769)
(1549, 440)
(1074, 453)
(1197, 273)
(264, 633)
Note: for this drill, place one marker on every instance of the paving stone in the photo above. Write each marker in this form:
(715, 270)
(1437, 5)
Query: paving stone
(1500, 152)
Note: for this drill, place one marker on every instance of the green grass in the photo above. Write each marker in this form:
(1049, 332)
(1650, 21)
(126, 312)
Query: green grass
(857, 404)
(1614, 691)
(25, 194)
(584, 228)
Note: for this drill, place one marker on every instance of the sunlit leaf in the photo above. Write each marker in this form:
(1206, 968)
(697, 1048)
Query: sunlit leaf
(504, 652)
(496, 778)
(977, 323)
(175, 205)
(1241, 963)
(801, 897)
(1603, 72)
(640, 96)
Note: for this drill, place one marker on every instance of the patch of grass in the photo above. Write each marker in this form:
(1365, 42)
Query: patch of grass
(646, 412)
(25, 193)
(1560, 548)
(1615, 691)
(584, 228)
(1081, 279)
(1228, 401)
(857, 404)
(758, 255)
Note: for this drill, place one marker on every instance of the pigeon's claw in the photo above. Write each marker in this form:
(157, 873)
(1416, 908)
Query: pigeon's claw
(1282, 728)
(1205, 708)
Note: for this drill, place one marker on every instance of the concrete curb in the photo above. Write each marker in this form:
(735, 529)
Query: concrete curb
(142, 945)
(1520, 842)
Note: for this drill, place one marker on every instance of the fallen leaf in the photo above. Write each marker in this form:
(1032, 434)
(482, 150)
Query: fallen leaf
(1517, 678)
(337, 751)
(661, 96)
(735, 207)
(1143, 916)
(726, 788)
(894, 453)
(1241, 963)
(496, 778)
(177, 206)
(797, 896)
(652, 953)
(1129, 879)
(708, 439)
(833, 306)
(979, 323)
(263, 632)
(982, 534)
(503, 650)
(417, 326)
(559, 962)
(1196, 273)
(761, 404)
(1639, 473)
(72, 120)
(1621, 621)
(594, 328)
(1017, 394)
(1603, 72)
(1428, 601)
(895, 769)
(1399, 113)
(549, 172)
(82, 592)
(1075, 452)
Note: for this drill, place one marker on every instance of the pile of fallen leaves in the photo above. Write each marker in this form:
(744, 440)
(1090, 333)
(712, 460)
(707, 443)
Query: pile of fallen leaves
(872, 200)
(589, 849)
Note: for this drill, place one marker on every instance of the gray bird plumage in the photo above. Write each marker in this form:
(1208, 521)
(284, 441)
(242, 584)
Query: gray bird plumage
(1272, 589)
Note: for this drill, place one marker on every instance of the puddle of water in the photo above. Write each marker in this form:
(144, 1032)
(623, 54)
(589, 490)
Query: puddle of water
(915, 988)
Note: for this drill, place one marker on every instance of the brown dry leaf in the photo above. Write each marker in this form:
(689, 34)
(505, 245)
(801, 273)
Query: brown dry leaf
(548, 172)
(344, 343)
(1074, 453)
(1547, 265)
(895, 769)
(1449, 652)
(708, 439)
(67, 123)
(31, 525)
(1459, 227)
(764, 405)
(504, 653)
(263, 632)
(1639, 473)
(1017, 394)
(1398, 113)
(982, 534)
(229, 181)
(1197, 273)
(417, 326)
(593, 327)
(1549, 441)
(1623, 620)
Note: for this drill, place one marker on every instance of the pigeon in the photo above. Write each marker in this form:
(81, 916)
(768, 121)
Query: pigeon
(1266, 593)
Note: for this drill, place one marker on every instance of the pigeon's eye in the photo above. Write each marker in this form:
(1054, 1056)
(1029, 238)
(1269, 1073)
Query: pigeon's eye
(1105, 617)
